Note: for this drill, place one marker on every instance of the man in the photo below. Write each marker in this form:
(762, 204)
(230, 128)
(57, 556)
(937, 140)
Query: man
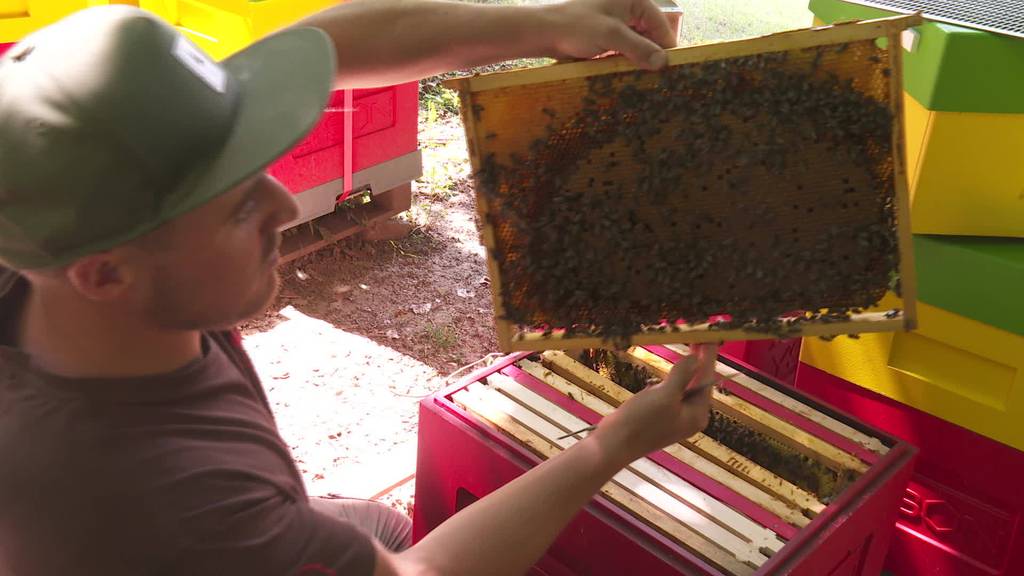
(134, 435)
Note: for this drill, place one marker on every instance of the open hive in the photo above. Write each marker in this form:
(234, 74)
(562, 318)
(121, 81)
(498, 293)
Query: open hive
(773, 469)
(751, 189)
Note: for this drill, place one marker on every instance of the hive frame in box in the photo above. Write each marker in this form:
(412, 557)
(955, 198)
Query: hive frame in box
(849, 536)
(512, 338)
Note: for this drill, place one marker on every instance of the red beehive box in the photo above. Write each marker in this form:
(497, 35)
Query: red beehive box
(381, 127)
(366, 141)
(470, 443)
(775, 358)
(961, 513)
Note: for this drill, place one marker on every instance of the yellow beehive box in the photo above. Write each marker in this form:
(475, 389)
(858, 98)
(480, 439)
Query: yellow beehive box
(223, 27)
(965, 171)
(19, 18)
(958, 369)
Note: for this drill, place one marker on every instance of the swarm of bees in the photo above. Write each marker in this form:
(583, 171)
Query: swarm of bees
(797, 468)
(753, 192)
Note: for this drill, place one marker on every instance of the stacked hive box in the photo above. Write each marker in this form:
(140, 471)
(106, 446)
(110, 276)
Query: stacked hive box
(954, 387)
(365, 142)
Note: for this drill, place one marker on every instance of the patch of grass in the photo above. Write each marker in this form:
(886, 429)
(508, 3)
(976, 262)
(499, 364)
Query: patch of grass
(439, 103)
(436, 101)
(442, 337)
(440, 180)
(716, 20)
(703, 21)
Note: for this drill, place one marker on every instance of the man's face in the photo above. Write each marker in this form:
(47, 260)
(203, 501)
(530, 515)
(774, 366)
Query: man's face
(217, 265)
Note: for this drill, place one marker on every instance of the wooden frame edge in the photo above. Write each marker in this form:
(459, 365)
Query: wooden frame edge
(791, 40)
(908, 272)
(732, 462)
(861, 323)
(480, 402)
(505, 330)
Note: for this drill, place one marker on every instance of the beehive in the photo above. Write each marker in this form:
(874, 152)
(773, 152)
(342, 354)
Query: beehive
(777, 484)
(752, 189)
(964, 371)
(223, 27)
(964, 112)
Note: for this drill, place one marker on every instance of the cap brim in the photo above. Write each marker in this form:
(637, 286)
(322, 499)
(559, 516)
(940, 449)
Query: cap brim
(284, 82)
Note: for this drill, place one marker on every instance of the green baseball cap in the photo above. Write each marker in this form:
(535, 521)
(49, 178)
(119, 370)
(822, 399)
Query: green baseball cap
(113, 123)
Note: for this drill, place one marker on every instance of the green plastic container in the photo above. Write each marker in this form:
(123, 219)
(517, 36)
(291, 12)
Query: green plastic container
(979, 278)
(952, 69)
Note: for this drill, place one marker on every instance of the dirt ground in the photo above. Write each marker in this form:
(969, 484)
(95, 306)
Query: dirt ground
(363, 330)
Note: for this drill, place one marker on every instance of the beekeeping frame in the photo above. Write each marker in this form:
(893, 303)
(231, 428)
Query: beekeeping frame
(506, 113)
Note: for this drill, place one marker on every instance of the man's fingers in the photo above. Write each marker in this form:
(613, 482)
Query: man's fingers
(696, 391)
(649, 20)
(695, 371)
(707, 360)
(680, 376)
(640, 50)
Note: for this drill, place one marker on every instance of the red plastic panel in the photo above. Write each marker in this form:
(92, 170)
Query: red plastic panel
(384, 127)
(4, 47)
(776, 358)
(961, 515)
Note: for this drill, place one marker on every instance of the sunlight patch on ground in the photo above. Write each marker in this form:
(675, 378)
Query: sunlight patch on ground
(467, 233)
(351, 401)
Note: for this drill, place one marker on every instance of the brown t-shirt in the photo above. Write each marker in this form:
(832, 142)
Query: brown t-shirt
(178, 474)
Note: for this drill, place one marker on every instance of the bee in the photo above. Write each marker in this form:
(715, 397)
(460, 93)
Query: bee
(817, 60)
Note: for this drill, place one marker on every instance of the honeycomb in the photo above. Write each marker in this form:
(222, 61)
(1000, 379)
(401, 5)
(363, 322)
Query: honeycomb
(754, 192)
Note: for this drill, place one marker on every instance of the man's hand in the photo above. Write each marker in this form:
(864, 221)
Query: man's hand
(663, 414)
(384, 42)
(636, 29)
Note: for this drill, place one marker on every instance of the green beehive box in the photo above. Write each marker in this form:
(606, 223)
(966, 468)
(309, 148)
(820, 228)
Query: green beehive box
(950, 68)
(980, 278)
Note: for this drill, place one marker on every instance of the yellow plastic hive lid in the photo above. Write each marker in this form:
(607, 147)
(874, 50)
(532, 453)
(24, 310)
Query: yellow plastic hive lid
(223, 27)
(958, 369)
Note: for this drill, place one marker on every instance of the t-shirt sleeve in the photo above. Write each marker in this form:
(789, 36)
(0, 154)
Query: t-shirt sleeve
(274, 537)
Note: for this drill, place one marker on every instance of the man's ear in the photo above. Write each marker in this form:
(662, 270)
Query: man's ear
(102, 277)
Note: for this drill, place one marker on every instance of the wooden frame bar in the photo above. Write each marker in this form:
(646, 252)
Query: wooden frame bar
(727, 459)
(869, 322)
(787, 512)
(908, 273)
(792, 40)
(539, 435)
(868, 442)
(761, 420)
(718, 513)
